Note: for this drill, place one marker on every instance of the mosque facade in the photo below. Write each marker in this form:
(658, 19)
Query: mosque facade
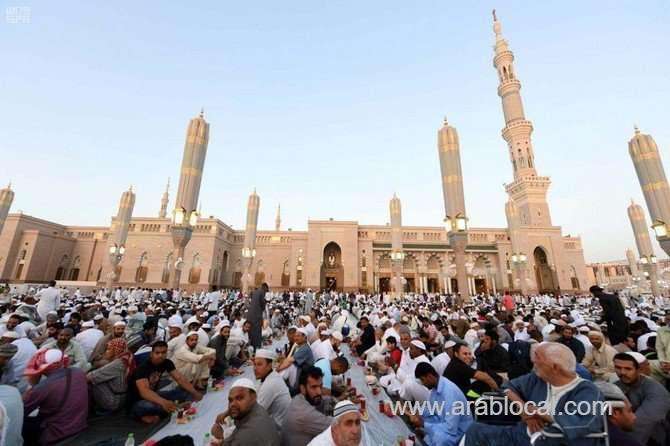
(181, 247)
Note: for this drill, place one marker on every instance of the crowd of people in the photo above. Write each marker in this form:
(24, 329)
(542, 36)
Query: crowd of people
(67, 356)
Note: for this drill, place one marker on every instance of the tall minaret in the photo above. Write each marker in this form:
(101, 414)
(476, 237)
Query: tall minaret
(249, 250)
(643, 242)
(519, 260)
(448, 147)
(117, 242)
(278, 218)
(165, 200)
(397, 254)
(528, 190)
(632, 263)
(185, 213)
(6, 199)
(649, 168)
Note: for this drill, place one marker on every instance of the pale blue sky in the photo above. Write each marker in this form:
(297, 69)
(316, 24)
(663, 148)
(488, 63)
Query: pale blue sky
(329, 106)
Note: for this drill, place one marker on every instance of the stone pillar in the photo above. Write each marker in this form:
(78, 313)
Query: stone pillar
(397, 254)
(249, 250)
(643, 242)
(117, 242)
(651, 175)
(6, 199)
(278, 218)
(632, 263)
(454, 202)
(190, 178)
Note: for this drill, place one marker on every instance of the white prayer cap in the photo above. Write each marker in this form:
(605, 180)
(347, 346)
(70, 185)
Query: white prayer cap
(584, 329)
(192, 320)
(53, 355)
(337, 335)
(449, 344)
(119, 324)
(267, 354)
(132, 308)
(326, 332)
(639, 357)
(306, 318)
(224, 323)
(302, 330)
(418, 344)
(206, 326)
(245, 383)
(174, 324)
(10, 335)
(548, 329)
(344, 407)
(192, 333)
(98, 317)
(88, 324)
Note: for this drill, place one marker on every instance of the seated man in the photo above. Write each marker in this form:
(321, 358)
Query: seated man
(273, 394)
(147, 402)
(301, 359)
(227, 352)
(70, 348)
(97, 357)
(410, 389)
(492, 357)
(620, 415)
(567, 338)
(331, 368)
(61, 395)
(547, 396)
(346, 428)
(307, 418)
(253, 425)
(109, 383)
(460, 372)
(446, 428)
(193, 361)
(599, 360)
(649, 399)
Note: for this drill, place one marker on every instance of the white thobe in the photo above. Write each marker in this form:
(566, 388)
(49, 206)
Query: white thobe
(274, 396)
(49, 299)
(88, 339)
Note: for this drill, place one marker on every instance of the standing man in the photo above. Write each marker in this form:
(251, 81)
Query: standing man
(255, 315)
(613, 314)
(49, 300)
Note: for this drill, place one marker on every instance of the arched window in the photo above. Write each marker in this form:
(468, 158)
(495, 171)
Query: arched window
(194, 272)
(167, 266)
(142, 269)
(285, 275)
(505, 76)
(74, 272)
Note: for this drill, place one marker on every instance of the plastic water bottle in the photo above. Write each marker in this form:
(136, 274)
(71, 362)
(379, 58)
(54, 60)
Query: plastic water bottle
(130, 441)
(206, 441)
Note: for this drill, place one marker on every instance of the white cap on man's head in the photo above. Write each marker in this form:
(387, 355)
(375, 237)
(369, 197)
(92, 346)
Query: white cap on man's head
(337, 335)
(302, 330)
(418, 344)
(119, 324)
(245, 383)
(267, 354)
(344, 407)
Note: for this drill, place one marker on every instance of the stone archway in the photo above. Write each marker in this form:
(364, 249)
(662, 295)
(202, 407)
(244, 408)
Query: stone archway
(332, 271)
(544, 275)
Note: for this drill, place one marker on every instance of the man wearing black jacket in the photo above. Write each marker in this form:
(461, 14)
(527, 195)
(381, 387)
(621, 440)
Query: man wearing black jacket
(613, 315)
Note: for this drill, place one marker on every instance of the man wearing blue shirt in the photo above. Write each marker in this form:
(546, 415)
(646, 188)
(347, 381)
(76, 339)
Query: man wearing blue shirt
(445, 425)
(330, 368)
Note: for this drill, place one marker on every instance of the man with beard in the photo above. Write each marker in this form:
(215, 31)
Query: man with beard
(567, 338)
(307, 418)
(301, 359)
(460, 372)
(273, 394)
(70, 348)
(177, 338)
(98, 355)
(193, 361)
(253, 425)
(345, 430)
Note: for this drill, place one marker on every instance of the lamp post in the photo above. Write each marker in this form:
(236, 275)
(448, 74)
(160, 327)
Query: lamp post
(397, 258)
(116, 253)
(183, 222)
(649, 264)
(519, 260)
(248, 255)
(456, 227)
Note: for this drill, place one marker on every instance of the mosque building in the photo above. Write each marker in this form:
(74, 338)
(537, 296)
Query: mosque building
(180, 247)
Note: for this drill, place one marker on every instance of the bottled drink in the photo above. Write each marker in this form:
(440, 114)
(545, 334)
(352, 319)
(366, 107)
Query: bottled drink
(130, 441)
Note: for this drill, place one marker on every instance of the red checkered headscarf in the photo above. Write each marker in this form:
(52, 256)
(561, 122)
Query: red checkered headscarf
(46, 361)
(118, 347)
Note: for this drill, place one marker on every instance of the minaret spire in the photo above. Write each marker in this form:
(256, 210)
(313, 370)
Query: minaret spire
(165, 200)
(278, 218)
